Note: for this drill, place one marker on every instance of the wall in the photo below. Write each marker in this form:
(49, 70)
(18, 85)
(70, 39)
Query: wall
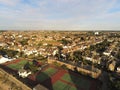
(79, 69)
(14, 80)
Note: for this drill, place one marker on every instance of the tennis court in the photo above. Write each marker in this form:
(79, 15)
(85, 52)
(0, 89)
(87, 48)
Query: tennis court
(18, 65)
(47, 73)
(59, 85)
(57, 79)
(77, 81)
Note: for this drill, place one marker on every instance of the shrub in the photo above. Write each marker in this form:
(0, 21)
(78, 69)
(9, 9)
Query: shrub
(64, 66)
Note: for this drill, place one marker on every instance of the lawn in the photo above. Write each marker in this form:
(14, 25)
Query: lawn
(77, 81)
(50, 71)
(19, 65)
(46, 74)
(59, 85)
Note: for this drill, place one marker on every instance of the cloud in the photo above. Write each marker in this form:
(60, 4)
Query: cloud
(58, 14)
(9, 2)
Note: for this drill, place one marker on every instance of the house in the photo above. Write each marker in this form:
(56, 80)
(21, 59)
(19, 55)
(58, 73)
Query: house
(118, 69)
(45, 44)
(36, 63)
(55, 52)
(23, 73)
(112, 65)
(96, 33)
(4, 59)
(39, 87)
(2, 44)
(107, 53)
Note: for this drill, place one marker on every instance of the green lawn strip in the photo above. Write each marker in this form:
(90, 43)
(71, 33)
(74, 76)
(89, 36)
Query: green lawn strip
(50, 71)
(45, 74)
(41, 77)
(18, 65)
(78, 81)
(67, 78)
(13, 66)
(59, 85)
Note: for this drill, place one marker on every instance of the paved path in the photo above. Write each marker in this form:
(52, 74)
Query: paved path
(105, 80)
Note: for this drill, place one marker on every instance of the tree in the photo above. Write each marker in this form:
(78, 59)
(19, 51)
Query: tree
(118, 55)
(40, 44)
(21, 54)
(77, 56)
(10, 53)
(59, 52)
(64, 66)
(65, 42)
(117, 85)
(92, 47)
(27, 66)
(24, 42)
(88, 53)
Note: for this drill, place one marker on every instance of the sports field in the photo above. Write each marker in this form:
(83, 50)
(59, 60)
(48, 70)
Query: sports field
(59, 85)
(18, 65)
(64, 80)
(77, 81)
(57, 79)
(46, 74)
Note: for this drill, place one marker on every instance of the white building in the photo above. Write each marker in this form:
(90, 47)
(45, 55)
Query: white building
(96, 33)
(106, 53)
(3, 60)
(23, 73)
(118, 69)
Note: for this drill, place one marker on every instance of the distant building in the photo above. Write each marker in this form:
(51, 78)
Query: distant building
(118, 69)
(96, 33)
(112, 66)
(107, 53)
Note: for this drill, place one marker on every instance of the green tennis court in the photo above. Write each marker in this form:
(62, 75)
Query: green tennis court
(59, 85)
(18, 65)
(77, 81)
(46, 74)
(50, 71)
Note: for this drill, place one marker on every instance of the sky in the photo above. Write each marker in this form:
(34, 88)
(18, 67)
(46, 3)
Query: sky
(59, 14)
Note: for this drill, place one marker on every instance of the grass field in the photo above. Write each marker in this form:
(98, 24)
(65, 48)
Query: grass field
(46, 74)
(77, 81)
(19, 65)
(59, 85)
